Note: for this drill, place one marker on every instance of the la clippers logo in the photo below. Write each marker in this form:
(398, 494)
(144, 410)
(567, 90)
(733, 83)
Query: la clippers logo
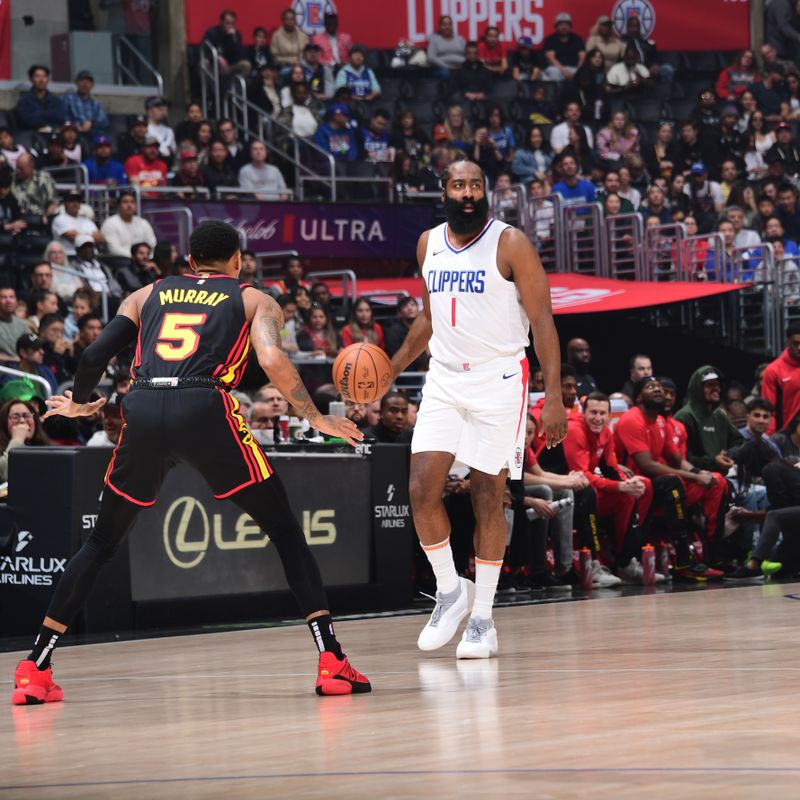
(311, 14)
(518, 457)
(641, 9)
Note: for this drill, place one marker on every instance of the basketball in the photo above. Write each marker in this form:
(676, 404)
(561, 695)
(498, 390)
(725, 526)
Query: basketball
(362, 373)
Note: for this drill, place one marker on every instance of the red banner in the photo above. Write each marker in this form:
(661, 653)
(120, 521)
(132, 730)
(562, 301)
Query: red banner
(672, 24)
(5, 39)
(580, 294)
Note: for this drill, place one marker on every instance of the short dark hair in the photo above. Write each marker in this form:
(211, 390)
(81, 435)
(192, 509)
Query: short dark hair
(35, 68)
(86, 319)
(226, 12)
(126, 193)
(213, 242)
(568, 371)
(792, 329)
(381, 112)
(787, 187)
(285, 300)
(599, 396)
(470, 44)
(259, 29)
(42, 263)
(391, 396)
(248, 252)
(136, 245)
(759, 404)
(460, 160)
(49, 319)
(404, 301)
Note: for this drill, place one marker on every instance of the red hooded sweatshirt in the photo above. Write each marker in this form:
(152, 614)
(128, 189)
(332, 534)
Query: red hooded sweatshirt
(781, 386)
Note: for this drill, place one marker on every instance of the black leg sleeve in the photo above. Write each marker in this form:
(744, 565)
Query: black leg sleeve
(585, 519)
(668, 494)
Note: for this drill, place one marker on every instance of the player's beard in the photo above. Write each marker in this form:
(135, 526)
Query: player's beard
(462, 223)
(655, 405)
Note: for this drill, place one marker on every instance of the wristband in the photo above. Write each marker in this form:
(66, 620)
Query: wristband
(696, 470)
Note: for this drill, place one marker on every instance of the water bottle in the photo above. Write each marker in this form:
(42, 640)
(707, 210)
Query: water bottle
(586, 568)
(556, 505)
(648, 565)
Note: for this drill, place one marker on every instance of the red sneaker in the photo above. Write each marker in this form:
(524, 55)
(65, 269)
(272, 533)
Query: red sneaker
(697, 573)
(339, 677)
(33, 686)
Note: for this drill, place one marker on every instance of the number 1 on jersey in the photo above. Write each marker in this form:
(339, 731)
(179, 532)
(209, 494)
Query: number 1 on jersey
(453, 312)
(179, 329)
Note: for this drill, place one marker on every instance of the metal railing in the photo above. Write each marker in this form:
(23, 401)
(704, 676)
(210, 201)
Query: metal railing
(18, 373)
(175, 224)
(622, 246)
(338, 180)
(583, 239)
(102, 198)
(544, 226)
(346, 276)
(662, 251)
(124, 47)
(209, 74)
(508, 205)
(693, 249)
(758, 307)
(71, 176)
(260, 194)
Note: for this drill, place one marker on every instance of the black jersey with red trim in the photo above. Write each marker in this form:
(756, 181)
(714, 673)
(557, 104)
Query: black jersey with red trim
(193, 326)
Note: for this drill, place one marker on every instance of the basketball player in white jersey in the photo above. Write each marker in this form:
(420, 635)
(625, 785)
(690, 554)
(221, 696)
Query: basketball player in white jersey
(484, 289)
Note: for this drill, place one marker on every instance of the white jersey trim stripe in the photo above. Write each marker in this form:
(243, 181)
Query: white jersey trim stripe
(468, 244)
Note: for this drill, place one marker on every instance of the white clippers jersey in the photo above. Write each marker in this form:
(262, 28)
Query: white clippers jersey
(476, 313)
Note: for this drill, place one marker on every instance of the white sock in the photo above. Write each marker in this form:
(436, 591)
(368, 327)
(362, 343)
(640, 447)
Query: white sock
(487, 573)
(441, 557)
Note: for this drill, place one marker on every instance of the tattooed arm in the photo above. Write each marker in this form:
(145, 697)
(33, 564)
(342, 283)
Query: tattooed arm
(265, 333)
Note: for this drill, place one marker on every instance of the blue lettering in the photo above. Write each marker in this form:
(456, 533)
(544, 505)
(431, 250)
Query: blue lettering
(470, 279)
(479, 276)
(456, 282)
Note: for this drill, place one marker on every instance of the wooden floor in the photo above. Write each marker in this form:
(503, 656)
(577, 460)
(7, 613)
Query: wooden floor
(691, 695)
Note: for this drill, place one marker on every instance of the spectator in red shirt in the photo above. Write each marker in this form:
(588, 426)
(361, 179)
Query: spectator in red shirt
(781, 382)
(643, 443)
(590, 445)
(677, 428)
(147, 169)
(362, 326)
(493, 53)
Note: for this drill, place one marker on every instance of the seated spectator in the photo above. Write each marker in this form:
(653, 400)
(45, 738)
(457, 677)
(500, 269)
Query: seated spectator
(771, 93)
(20, 426)
(573, 189)
(446, 48)
(690, 147)
(579, 355)
(318, 77)
(618, 139)
(227, 40)
(102, 168)
(249, 270)
(789, 212)
(318, 336)
(626, 190)
(186, 130)
(218, 171)
(335, 135)
(459, 131)
(760, 413)
(111, 414)
(264, 180)
(57, 350)
(375, 138)
(10, 212)
(39, 303)
(38, 108)
(646, 49)
(492, 52)
(262, 91)
(745, 237)
(293, 273)
(533, 159)
(97, 275)
(289, 330)
(70, 223)
(611, 186)
(258, 53)
(147, 169)
(11, 326)
(393, 427)
(543, 212)
(407, 182)
(629, 77)
(189, 175)
(395, 332)
(42, 281)
(500, 133)
(334, 46)
(202, 141)
(603, 38)
(728, 178)
(30, 352)
(143, 266)
(487, 155)
(9, 149)
(736, 79)
(409, 137)
(784, 149)
(35, 191)
(643, 445)
(705, 197)
(126, 228)
(587, 88)
(662, 156)
(640, 366)
(132, 143)
(237, 152)
(82, 109)
(559, 135)
(362, 327)
(90, 326)
(156, 112)
(288, 41)
(589, 449)
(526, 64)
(296, 75)
(564, 51)
(357, 77)
(83, 302)
(472, 78)
(64, 283)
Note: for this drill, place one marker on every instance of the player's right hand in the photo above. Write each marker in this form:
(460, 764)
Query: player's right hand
(340, 427)
(64, 406)
(554, 422)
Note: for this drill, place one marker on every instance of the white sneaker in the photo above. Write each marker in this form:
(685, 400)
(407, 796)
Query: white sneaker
(447, 614)
(479, 639)
(602, 577)
(634, 573)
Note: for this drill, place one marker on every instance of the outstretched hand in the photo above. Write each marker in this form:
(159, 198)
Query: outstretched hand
(553, 422)
(341, 427)
(63, 405)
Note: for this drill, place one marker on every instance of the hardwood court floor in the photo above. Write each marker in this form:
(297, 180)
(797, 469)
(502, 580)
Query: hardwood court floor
(691, 695)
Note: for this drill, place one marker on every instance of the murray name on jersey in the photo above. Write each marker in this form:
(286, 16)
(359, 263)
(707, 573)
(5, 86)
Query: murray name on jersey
(202, 297)
(467, 281)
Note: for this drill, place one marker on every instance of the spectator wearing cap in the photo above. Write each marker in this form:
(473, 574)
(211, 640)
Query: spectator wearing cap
(30, 351)
(563, 50)
(264, 180)
(9, 149)
(473, 79)
(730, 144)
(784, 149)
(111, 414)
(102, 168)
(147, 169)
(705, 196)
(446, 48)
(603, 38)
(70, 224)
(97, 275)
(228, 42)
(318, 76)
(334, 46)
(780, 27)
(39, 109)
(357, 77)
(34, 190)
(629, 76)
(132, 142)
(492, 52)
(82, 108)
(770, 94)
(526, 64)
(156, 111)
(71, 141)
(126, 228)
(11, 326)
(737, 78)
(189, 175)
(288, 41)
(335, 136)
(54, 156)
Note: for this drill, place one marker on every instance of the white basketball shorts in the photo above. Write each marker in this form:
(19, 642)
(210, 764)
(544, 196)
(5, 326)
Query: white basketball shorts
(476, 413)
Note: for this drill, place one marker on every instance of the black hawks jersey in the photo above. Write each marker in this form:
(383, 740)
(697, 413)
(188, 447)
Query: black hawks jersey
(193, 326)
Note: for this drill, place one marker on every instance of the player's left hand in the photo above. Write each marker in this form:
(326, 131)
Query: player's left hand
(62, 405)
(554, 422)
(341, 427)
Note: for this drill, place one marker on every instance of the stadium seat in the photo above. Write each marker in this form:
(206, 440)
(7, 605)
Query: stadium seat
(424, 112)
(645, 109)
(394, 89)
(675, 59)
(427, 89)
(507, 90)
(708, 62)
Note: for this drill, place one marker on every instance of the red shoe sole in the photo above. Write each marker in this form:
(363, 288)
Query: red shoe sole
(35, 696)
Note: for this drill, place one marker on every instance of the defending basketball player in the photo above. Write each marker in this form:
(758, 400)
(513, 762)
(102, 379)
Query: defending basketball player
(194, 334)
(484, 289)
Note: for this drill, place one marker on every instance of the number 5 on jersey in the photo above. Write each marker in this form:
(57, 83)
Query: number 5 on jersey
(178, 338)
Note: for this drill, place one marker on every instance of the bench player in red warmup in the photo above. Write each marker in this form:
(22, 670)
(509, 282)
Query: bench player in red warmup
(194, 334)
(484, 288)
